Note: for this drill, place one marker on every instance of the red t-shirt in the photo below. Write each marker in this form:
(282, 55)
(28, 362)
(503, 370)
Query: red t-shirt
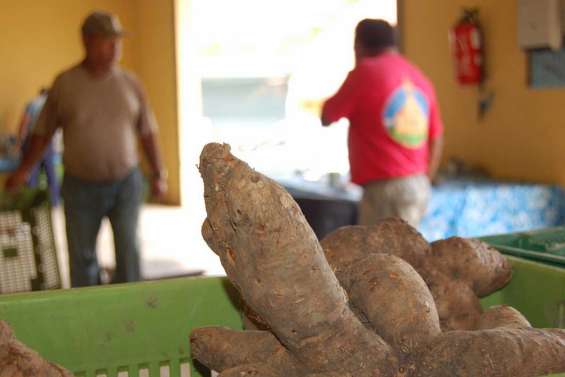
(393, 115)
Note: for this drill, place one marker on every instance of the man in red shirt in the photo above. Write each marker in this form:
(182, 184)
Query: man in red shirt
(395, 133)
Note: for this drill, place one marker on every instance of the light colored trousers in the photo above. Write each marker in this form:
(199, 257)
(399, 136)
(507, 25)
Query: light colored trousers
(405, 197)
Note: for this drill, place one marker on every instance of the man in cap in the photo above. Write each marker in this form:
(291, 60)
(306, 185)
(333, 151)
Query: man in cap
(103, 112)
(395, 131)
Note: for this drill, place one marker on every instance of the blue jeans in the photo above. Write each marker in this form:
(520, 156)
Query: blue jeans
(86, 204)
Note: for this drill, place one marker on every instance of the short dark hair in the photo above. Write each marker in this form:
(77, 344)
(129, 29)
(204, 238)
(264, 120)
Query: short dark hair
(375, 35)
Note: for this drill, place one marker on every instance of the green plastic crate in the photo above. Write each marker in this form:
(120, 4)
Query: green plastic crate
(145, 326)
(28, 254)
(139, 328)
(537, 290)
(544, 245)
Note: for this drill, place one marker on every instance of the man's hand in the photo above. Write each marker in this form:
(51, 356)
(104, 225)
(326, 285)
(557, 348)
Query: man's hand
(159, 187)
(158, 180)
(16, 180)
(37, 146)
(435, 151)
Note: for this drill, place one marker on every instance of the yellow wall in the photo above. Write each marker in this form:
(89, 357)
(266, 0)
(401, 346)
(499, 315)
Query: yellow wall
(523, 136)
(155, 63)
(41, 38)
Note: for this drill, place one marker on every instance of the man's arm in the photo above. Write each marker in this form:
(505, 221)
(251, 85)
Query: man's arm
(436, 149)
(324, 118)
(435, 143)
(158, 173)
(23, 127)
(147, 131)
(37, 146)
(341, 104)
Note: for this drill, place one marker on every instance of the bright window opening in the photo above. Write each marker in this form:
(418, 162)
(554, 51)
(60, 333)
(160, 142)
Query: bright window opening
(266, 67)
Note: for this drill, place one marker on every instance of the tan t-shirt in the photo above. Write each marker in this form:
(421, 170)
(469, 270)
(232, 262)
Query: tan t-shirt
(100, 118)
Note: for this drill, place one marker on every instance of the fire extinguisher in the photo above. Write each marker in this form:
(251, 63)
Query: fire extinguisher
(467, 46)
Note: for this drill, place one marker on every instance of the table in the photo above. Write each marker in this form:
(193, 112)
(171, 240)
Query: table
(471, 208)
(464, 207)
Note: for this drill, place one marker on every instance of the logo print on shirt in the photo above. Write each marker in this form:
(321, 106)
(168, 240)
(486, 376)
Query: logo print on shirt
(406, 114)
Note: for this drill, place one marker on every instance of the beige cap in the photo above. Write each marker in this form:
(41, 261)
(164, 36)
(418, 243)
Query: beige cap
(103, 24)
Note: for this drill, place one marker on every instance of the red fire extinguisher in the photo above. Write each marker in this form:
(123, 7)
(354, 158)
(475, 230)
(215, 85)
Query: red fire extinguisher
(467, 46)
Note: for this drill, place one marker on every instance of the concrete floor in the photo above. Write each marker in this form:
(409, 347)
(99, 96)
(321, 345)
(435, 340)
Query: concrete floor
(170, 239)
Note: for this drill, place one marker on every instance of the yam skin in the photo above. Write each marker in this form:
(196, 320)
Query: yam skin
(251, 320)
(406, 322)
(252, 370)
(392, 236)
(506, 352)
(18, 360)
(481, 268)
(273, 258)
(503, 316)
(474, 262)
(458, 306)
(457, 271)
(239, 348)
